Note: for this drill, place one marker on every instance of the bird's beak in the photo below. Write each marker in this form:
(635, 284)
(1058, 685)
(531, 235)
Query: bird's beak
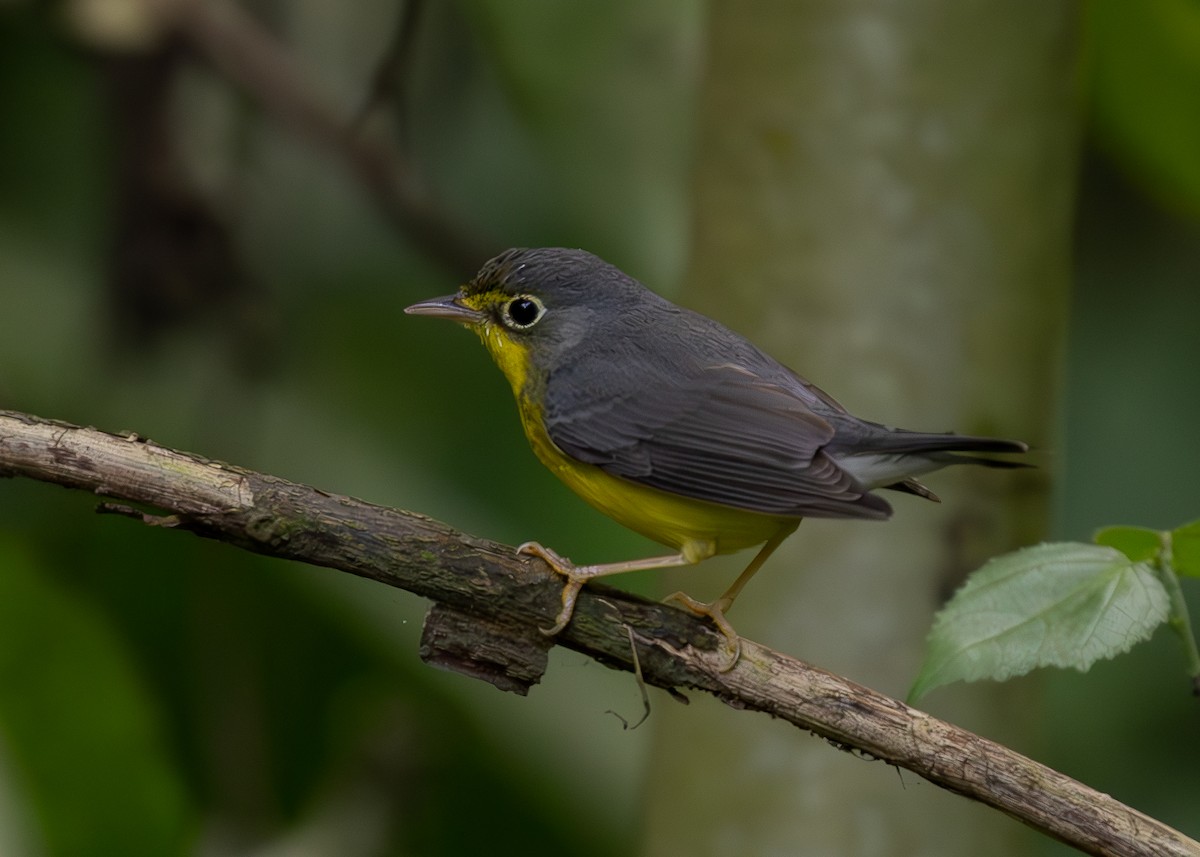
(447, 307)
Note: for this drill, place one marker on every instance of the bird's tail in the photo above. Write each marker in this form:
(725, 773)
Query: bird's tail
(901, 441)
(892, 458)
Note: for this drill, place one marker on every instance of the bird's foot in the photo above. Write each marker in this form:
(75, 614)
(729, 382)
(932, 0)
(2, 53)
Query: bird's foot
(575, 576)
(715, 611)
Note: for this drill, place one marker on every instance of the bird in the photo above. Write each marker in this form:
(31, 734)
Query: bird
(676, 426)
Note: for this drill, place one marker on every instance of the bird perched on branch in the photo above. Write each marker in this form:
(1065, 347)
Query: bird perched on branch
(674, 425)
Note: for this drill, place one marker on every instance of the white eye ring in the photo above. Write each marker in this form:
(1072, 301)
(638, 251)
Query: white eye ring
(522, 312)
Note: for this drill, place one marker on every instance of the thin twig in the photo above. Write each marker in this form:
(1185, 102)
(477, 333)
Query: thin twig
(511, 596)
(392, 73)
(641, 684)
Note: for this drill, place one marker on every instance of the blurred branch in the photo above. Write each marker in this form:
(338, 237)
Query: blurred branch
(391, 72)
(252, 59)
(172, 260)
(489, 604)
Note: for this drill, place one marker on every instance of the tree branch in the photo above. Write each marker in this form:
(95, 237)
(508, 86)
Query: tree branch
(249, 57)
(489, 604)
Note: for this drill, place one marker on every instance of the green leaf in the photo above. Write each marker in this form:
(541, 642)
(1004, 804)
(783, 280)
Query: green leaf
(1185, 549)
(1138, 543)
(1061, 605)
(81, 735)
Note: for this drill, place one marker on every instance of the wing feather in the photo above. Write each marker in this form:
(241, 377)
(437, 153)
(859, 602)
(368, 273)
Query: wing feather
(721, 433)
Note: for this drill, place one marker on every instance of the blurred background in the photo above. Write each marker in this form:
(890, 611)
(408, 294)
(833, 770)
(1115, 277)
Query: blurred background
(211, 218)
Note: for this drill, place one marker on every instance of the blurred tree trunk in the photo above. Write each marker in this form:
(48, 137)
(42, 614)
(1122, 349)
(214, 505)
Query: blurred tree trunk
(882, 200)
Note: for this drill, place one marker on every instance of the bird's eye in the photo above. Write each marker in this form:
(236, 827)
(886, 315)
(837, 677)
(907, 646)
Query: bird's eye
(523, 311)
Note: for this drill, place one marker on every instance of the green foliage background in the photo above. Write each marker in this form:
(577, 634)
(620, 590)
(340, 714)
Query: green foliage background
(160, 694)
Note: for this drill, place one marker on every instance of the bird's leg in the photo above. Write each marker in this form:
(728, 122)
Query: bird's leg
(716, 610)
(578, 575)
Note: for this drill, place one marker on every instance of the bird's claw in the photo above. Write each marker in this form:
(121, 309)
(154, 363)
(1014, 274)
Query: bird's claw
(715, 612)
(570, 593)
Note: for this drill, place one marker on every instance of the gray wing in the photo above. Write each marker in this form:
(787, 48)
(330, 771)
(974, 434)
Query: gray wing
(722, 433)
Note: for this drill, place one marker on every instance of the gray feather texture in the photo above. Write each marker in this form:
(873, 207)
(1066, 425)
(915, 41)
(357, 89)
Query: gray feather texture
(665, 397)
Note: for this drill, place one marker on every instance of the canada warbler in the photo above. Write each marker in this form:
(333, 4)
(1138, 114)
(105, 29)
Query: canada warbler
(675, 426)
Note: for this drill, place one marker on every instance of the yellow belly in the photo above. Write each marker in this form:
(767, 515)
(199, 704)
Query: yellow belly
(694, 527)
